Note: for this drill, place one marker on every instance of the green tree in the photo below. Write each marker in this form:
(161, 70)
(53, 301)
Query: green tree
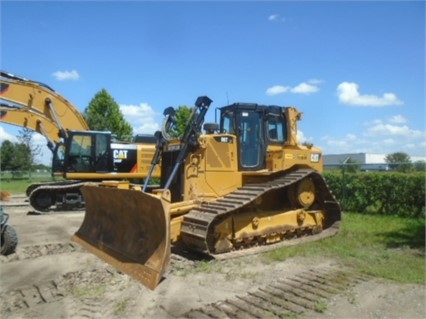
(183, 113)
(419, 166)
(25, 136)
(15, 157)
(7, 151)
(103, 114)
(22, 159)
(399, 161)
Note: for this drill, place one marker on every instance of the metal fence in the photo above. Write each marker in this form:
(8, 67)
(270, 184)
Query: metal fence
(16, 175)
(378, 167)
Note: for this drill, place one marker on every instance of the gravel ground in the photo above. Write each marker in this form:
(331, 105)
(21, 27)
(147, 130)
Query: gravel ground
(51, 277)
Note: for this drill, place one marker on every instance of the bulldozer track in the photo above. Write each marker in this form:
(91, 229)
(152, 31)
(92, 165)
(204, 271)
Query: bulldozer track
(331, 231)
(197, 225)
(307, 291)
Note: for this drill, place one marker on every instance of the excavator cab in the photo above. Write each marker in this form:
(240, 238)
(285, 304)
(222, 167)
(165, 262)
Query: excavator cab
(88, 152)
(82, 152)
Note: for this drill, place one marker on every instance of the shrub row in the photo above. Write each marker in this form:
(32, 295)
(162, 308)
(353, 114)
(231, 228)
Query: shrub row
(379, 192)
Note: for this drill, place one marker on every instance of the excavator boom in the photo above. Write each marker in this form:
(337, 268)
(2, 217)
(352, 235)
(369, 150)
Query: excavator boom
(38, 107)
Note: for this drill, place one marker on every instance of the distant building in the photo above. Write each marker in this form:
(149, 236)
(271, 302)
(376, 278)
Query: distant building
(418, 159)
(366, 161)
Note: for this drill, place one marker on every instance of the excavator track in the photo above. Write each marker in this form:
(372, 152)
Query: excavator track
(62, 195)
(198, 225)
(33, 186)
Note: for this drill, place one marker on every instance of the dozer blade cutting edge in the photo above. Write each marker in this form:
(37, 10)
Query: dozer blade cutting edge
(128, 229)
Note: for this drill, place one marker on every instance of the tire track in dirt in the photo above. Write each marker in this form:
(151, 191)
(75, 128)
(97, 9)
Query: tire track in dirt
(85, 290)
(35, 251)
(53, 291)
(86, 286)
(291, 297)
(30, 296)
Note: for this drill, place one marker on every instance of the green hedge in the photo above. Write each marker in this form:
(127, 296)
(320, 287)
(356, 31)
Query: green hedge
(391, 193)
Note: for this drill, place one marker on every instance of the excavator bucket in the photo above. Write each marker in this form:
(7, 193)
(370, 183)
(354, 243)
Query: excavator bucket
(128, 229)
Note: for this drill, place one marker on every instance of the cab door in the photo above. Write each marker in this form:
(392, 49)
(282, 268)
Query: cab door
(247, 125)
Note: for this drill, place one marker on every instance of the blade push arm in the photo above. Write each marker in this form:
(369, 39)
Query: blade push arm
(192, 130)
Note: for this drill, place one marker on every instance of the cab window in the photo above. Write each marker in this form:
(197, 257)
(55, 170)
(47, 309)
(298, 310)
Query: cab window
(275, 129)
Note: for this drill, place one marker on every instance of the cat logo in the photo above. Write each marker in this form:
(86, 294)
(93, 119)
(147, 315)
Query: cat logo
(120, 154)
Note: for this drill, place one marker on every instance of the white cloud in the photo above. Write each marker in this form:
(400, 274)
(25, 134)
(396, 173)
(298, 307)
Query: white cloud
(350, 143)
(66, 75)
(141, 117)
(398, 119)
(389, 141)
(378, 128)
(348, 93)
(4, 135)
(45, 155)
(351, 137)
(305, 88)
(379, 136)
(143, 109)
(301, 137)
(277, 89)
(308, 87)
(275, 18)
(315, 81)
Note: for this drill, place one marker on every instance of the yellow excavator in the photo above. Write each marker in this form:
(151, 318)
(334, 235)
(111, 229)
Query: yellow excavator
(79, 154)
(240, 187)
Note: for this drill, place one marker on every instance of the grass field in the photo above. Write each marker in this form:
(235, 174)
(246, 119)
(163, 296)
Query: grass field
(384, 246)
(18, 185)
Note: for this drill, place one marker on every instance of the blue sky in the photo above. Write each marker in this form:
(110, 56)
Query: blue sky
(355, 69)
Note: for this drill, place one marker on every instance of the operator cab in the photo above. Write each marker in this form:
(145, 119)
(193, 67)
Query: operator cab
(88, 152)
(256, 127)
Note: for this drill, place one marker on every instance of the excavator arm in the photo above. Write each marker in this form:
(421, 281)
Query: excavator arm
(38, 107)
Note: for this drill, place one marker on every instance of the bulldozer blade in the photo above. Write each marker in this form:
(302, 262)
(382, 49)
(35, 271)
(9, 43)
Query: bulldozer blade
(128, 229)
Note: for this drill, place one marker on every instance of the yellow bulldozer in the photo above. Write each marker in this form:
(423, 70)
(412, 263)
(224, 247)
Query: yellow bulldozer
(242, 186)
